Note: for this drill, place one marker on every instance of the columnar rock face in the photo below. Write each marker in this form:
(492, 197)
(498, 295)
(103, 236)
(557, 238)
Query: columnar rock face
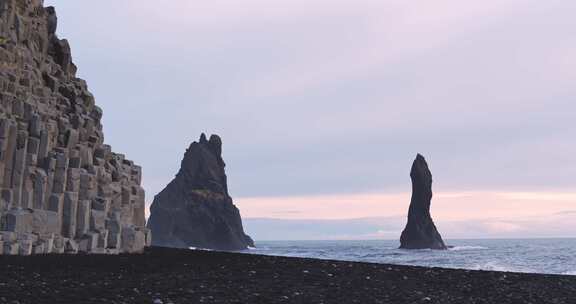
(195, 210)
(420, 231)
(62, 190)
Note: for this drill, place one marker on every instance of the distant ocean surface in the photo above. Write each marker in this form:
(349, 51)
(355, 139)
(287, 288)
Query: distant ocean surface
(551, 256)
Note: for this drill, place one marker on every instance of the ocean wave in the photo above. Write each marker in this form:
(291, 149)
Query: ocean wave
(462, 248)
(490, 255)
(493, 266)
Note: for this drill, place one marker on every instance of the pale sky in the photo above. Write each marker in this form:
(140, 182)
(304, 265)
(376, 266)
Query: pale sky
(323, 104)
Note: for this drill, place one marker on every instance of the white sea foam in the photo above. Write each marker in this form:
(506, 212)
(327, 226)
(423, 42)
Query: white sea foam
(492, 255)
(462, 248)
(200, 249)
(493, 266)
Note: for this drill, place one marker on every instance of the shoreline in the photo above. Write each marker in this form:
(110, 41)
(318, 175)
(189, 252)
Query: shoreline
(195, 276)
(488, 255)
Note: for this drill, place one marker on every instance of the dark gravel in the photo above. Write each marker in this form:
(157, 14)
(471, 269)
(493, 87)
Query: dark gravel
(182, 276)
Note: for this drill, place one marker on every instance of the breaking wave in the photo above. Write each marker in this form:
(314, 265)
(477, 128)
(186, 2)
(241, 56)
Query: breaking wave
(462, 248)
(494, 266)
(551, 256)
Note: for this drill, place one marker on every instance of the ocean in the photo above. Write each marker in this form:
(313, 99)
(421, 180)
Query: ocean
(550, 256)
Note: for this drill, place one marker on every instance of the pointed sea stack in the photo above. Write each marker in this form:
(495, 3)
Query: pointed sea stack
(420, 231)
(195, 209)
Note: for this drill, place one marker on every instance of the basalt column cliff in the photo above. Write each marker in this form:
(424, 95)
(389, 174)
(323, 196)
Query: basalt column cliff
(420, 231)
(62, 189)
(195, 210)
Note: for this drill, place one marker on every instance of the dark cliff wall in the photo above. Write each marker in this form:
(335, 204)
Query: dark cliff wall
(62, 189)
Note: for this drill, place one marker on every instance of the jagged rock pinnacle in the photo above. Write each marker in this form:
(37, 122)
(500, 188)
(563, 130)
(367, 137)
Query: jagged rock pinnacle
(195, 209)
(203, 139)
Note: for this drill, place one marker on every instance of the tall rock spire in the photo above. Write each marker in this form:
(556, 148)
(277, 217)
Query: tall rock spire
(195, 209)
(420, 231)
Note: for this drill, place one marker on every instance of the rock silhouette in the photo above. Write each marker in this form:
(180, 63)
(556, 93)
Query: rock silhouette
(195, 209)
(420, 231)
(62, 190)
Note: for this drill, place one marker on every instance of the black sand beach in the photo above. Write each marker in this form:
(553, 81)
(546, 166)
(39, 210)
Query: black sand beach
(180, 276)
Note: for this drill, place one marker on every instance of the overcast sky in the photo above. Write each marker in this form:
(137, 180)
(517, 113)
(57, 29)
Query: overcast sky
(319, 99)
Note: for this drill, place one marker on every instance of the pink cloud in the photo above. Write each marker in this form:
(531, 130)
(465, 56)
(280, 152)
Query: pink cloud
(447, 206)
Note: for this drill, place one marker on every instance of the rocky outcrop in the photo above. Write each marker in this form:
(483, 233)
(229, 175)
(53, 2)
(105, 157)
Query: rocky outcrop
(62, 189)
(420, 231)
(195, 209)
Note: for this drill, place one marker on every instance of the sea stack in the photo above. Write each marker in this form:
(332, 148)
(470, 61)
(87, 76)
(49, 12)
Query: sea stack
(420, 231)
(62, 190)
(195, 209)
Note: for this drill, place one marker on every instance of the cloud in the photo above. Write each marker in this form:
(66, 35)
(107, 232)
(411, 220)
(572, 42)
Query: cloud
(502, 227)
(389, 228)
(283, 212)
(282, 229)
(536, 196)
(449, 206)
(457, 215)
(336, 97)
(569, 212)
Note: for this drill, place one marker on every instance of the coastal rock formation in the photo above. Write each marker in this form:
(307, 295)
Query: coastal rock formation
(420, 231)
(195, 209)
(62, 190)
